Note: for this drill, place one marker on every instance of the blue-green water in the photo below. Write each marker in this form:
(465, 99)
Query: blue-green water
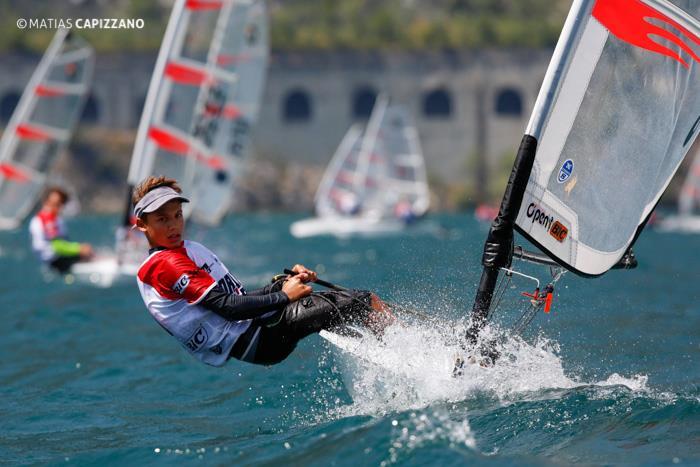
(612, 377)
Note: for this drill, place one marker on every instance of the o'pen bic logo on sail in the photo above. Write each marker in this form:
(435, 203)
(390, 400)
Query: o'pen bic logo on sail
(567, 168)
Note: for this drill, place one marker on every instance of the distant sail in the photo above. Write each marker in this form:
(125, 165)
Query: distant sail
(192, 119)
(375, 183)
(244, 51)
(42, 124)
(616, 115)
(689, 198)
(337, 189)
(406, 179)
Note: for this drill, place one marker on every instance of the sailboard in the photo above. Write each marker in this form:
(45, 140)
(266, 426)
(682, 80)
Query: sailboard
(42, 124)
(371, 177)
(614, 119)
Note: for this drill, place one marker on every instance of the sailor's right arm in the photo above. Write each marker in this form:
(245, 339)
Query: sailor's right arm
(239, 307)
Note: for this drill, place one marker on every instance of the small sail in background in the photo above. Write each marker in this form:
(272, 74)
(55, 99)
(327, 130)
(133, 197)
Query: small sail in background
(376, 182)
(42, 124)
(687, 219)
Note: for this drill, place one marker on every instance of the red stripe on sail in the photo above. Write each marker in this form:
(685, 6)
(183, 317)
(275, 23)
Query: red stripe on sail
(345, 177)
(168, 141)
(336, 195)
(11, 172)
(628, 20)
(231, 112)
(228, 59)
(215, 162)
(203, 5)
(30, 132)
(47, 91)
(185, 75)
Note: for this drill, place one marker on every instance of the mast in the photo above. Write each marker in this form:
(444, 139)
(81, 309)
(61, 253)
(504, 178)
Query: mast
(136, 170)
(498, 249)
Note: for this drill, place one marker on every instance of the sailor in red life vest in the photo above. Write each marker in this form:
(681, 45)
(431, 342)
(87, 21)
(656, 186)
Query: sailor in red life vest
(195, 298)
(50, 237)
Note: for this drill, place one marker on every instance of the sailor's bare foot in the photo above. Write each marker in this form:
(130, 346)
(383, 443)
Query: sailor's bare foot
(380, 317)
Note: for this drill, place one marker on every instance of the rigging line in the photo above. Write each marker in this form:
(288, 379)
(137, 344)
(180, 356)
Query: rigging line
(503, 284)
(525, 319)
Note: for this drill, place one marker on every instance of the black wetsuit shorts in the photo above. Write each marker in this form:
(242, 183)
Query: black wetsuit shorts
(270, 340)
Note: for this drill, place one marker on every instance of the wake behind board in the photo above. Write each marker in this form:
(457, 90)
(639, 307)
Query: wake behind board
(103, 271)
(362, 348)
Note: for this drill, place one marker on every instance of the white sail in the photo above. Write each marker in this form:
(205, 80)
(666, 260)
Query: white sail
(42, 124)
(191, 108)
(375, 182)
(336, 192)
(616, 115)
(406, 180)
(244, 51)
(373, 172)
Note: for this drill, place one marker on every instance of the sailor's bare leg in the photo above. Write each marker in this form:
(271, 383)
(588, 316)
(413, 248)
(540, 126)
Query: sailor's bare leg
(380, 317)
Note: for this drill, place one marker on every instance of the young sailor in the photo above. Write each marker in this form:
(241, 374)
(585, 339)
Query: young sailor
(195, 298)
(50, 236)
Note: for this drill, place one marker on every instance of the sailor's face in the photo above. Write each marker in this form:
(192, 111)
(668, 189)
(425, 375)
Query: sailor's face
(165, 226)
(54, 203)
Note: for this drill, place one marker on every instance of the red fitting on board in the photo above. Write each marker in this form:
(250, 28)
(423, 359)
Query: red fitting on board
(548, 303)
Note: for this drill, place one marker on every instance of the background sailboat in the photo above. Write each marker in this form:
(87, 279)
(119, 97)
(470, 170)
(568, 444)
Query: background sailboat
(688, 217)
(375, 183)
(195, 110)
(42, 124)
(203, 95)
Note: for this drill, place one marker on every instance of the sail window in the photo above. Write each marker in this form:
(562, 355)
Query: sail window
(509, 103)
(363, 102)
(297, 106)
(437, 104)
(7, 105)
(91, 113)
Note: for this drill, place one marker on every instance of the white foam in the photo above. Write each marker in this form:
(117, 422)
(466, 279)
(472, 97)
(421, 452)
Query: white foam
(411, 368)
(408, 373)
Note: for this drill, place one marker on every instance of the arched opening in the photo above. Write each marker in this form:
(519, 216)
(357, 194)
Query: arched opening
(297, 106)
(437, 104)
(7, 105)
(91, 111)
(363, 102)
(139, 104)
(509, 103)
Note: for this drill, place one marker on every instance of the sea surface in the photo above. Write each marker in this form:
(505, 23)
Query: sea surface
(610, 376)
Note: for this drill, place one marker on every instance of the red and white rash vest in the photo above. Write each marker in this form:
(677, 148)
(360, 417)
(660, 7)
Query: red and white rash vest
(44, 227)
(173, 282)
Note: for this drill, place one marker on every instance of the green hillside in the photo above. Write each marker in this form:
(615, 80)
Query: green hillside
(317, 24)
